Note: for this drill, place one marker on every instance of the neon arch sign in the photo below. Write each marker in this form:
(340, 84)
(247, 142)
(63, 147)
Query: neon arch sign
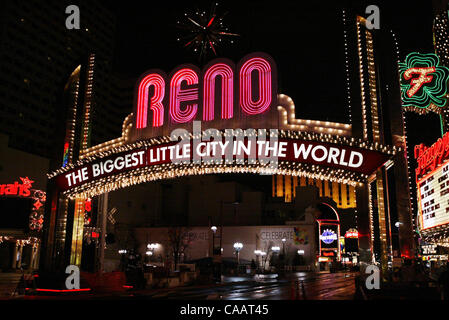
(212, 95)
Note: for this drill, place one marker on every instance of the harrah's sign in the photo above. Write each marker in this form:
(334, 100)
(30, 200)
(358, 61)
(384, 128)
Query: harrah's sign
(429, 158)
(221, 95)
(16, 188)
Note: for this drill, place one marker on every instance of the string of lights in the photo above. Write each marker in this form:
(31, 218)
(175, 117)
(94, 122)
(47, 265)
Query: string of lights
(348, 84)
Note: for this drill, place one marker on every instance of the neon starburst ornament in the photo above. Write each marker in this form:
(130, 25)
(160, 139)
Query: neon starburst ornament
(26, 182)
(423, 83)
(204, 33)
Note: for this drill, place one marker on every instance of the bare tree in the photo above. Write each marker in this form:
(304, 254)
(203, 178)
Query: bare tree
(179, 240)
(267, 254)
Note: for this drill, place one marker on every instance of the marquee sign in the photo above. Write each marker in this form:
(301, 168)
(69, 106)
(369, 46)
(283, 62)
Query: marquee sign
(224, 153)
(251, 133)
(423, 82)
(433, 184)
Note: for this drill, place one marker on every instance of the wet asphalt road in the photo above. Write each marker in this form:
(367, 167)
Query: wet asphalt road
(293, 286)
(297, 286)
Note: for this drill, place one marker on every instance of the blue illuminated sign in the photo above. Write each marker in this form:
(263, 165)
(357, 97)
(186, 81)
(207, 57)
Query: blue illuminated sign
(328, 236)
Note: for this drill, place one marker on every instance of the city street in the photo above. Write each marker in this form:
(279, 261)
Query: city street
(296, 286)
(317, 286)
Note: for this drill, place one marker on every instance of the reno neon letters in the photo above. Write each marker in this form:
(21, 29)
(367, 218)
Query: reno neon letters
(189, 94)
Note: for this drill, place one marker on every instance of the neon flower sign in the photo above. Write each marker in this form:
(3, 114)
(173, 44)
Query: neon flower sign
(190, 94)
(328, 236)
(423, 82)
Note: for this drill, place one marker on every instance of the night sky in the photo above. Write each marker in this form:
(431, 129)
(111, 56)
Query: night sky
(305, 39)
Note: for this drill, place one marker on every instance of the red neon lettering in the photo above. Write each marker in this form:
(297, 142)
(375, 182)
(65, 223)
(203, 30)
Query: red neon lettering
(255, 92)
(227, 91)
(88, 205)
(430, 158)
(158, 83)
(263, 102)
(417, 83)
(328, 254)
(25, 191)
(16, 188)
(179, 95)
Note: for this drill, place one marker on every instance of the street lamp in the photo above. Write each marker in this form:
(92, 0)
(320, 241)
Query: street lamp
(214, 230)
(238, 246)
(151, 247)
(122, 252)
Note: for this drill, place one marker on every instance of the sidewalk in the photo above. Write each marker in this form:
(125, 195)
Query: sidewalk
(8, 283)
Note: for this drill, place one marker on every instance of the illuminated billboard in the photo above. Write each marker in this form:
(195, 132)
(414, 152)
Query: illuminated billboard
(433, 198)
(224, 118)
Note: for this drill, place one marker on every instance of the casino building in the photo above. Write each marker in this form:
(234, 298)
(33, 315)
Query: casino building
(430, 162)
(229, 119)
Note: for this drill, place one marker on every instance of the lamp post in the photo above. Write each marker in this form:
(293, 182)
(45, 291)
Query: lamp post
(214, 230)
(152, 247)
(122, 253)
(238, 246)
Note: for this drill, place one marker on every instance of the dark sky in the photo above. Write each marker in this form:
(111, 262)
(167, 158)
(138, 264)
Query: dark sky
(304, 38)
